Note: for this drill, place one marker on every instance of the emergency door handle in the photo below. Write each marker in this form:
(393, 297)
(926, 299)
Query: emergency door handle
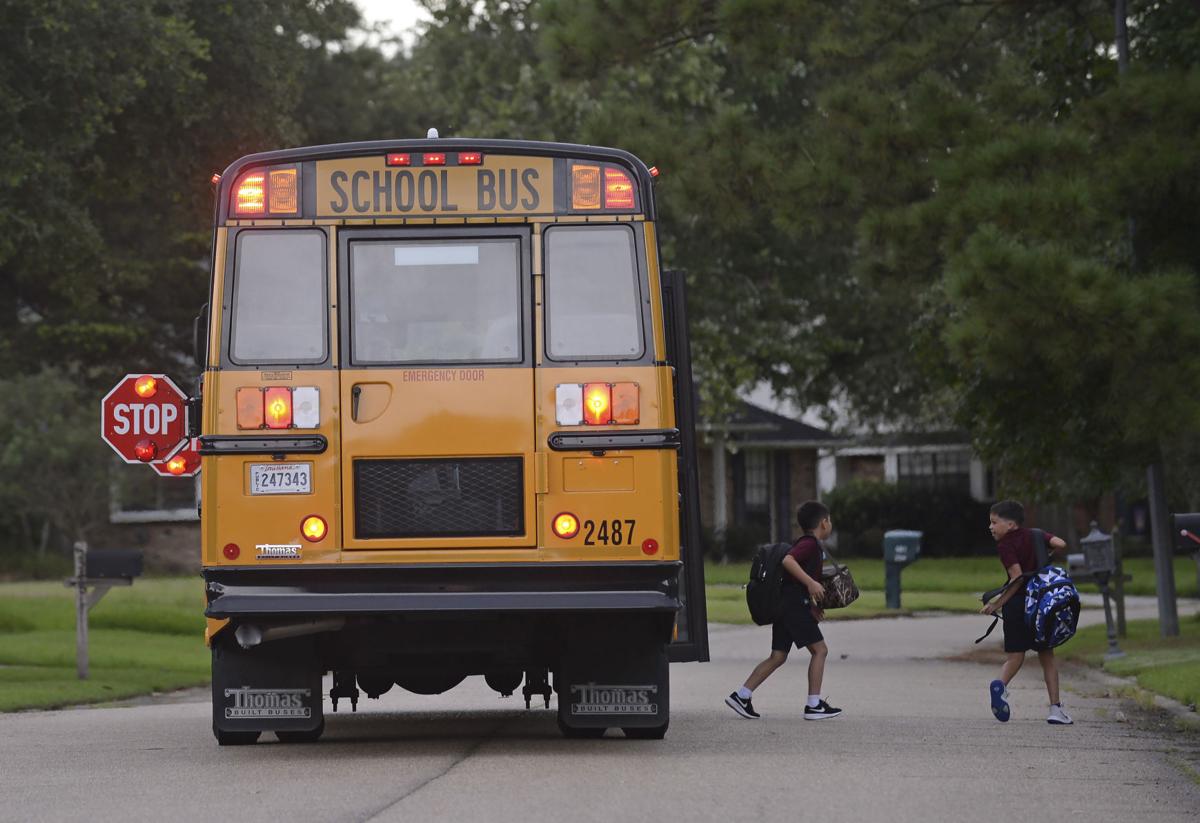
(355, 396)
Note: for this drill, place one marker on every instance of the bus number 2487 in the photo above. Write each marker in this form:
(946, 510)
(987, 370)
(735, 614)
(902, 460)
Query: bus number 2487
(608, 532)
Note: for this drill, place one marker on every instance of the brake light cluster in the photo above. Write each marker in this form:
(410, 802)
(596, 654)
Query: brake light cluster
(597, 404)
(601, 187)
(278, 407)
(269, 192)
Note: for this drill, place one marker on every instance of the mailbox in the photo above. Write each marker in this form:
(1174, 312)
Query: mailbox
(1186, 528)
(113, 564)
(1098, 554)
(901, 547)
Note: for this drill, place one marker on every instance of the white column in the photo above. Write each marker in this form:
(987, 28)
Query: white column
(891, 467)
(978, 479)
(826, 472)
(720, 508)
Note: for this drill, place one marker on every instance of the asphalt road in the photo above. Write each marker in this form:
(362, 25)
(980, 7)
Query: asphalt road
(917, 743)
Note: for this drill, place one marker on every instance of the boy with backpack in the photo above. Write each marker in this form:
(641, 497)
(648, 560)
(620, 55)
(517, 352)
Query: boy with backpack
(798, 617)
(1018, 554)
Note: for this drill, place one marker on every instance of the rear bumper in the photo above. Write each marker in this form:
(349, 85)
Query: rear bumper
(441, 589)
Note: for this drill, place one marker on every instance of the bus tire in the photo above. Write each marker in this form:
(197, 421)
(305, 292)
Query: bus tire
(225, 738)
(310, 736)
(580, 733)
(645, 732)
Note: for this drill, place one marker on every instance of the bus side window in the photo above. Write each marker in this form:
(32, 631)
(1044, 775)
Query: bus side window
(593, 307)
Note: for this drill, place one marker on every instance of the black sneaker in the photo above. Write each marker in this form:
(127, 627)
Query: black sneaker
(743, 707)
(821, 711)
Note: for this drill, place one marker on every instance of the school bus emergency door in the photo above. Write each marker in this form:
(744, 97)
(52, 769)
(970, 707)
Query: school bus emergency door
(446, 431)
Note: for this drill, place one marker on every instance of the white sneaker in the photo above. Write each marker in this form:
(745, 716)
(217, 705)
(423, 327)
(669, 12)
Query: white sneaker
(1058, 717)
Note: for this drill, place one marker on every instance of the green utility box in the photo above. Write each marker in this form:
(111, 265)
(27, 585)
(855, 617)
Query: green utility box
(900, 548)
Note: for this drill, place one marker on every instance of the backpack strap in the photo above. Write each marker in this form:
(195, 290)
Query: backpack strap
(1039, 546)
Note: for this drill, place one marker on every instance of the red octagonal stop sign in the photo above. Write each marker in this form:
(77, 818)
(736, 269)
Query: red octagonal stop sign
(144, 418)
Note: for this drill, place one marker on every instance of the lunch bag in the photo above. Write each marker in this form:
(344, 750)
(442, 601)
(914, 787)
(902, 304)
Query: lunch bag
(840, 588)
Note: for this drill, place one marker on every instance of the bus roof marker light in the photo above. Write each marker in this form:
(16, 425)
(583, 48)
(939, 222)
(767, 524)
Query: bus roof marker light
(597, 404)
(251, 196)
(654, 172)
(433, 158)
(399, 160)
(585, 187)
(470, 158)
(568, 404)
(618, 189)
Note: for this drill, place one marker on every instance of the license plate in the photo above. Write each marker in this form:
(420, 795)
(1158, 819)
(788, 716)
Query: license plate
(281, 478)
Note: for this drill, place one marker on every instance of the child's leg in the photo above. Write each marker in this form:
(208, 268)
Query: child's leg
(1012, 665)
(1050, 672)
(816, 666)
(764, 669)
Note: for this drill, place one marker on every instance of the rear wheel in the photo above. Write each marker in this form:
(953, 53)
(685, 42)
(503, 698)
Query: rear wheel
(577, 733)
(645, 732)
(311, 736)
(235, 738)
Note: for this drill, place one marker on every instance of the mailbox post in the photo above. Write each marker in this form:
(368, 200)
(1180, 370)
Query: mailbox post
(95, 574)
(1186, 528)
(1099, 561)
(900, 548)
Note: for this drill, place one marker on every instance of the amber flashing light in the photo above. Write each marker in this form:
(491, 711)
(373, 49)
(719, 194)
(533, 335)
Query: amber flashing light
(250, 408)
(585, 187)
(177, 465)
(626, 408)
(283, 191)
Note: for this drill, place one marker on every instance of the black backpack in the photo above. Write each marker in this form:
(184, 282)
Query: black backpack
(764, 592)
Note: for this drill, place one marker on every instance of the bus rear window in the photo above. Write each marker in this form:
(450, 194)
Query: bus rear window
(428, 302)
(280, 300)
(592, 303)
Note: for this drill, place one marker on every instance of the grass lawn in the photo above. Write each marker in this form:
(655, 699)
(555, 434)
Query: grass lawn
(1167, 665)
(144, 638)
(968, 575)
(727, 604)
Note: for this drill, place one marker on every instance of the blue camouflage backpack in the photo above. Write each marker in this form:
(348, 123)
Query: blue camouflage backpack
(1051, 600)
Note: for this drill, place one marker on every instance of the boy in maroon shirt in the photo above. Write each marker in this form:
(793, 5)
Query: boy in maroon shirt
(1019, 556)
(798, 618)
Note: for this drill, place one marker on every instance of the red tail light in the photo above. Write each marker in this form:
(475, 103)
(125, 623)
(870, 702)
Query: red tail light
(277, 407)
(618, 189)
(251, 194)
(249, 408)
(597, 404)
(625, 403)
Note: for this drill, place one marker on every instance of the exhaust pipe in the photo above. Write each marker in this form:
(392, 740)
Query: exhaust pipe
(250, 635)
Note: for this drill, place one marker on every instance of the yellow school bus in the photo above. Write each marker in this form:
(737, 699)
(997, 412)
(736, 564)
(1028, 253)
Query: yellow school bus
(446, 426)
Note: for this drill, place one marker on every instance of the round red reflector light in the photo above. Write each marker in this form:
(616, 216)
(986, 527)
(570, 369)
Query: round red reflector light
(145, 386)
(314, 528)
(566, 525)
(145, 450)
(231, 551)
(649, 546)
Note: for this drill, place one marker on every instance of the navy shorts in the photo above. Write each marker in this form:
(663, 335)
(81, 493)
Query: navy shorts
(1018, 637)
(796, 624)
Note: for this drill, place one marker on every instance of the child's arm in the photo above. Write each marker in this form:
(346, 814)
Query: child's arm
(1057, 546)
(1014, 571)
(815, 589)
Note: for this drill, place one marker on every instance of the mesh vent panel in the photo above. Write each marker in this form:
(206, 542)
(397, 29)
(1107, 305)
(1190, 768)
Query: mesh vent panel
(478, 497)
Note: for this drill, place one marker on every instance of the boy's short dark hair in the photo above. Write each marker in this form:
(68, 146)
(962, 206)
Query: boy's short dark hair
(1009, 510)
(810, 514)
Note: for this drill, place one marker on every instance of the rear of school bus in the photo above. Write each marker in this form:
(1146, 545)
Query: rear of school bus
(446, 427)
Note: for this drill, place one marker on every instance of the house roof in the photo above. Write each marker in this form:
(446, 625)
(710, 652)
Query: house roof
(753, 424)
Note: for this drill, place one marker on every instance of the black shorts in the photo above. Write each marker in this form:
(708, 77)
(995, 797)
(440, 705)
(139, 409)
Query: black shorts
(796, 624)
(1018, 637)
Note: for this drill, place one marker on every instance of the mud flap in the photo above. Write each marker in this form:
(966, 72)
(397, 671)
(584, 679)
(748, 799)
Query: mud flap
(272, 687)
(609, 683)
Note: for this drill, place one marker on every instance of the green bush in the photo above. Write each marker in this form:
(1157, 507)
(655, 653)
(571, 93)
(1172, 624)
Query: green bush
(736, 543)
(953, 523)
